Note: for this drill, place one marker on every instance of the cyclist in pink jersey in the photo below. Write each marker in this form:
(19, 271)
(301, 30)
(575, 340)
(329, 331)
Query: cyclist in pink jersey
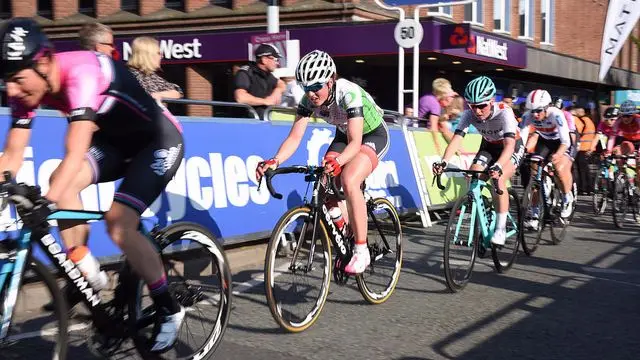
(605, 127)
(115, 130)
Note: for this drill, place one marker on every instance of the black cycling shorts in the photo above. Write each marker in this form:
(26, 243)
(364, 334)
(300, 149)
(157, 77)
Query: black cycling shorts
(489, 153)
(374, 143)
(146, 168)
(547, 147)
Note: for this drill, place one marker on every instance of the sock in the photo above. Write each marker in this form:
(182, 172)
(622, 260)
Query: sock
(163, 300)
(568, 197)
(502, 221)
(360, 248)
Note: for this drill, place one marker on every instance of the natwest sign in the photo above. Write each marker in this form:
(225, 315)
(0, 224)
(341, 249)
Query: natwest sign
(492, 48)
(171, 50)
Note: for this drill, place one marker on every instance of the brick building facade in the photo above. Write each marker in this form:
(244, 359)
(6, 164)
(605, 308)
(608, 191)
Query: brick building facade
(569, 32)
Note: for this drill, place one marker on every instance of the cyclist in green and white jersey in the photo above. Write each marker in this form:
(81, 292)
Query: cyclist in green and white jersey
(361, 139)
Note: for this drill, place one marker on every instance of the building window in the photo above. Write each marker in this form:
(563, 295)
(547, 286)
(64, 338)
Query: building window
(525, 10)
(44, 8)
(444, 11)
(220, 2)
(130, 6)
(5, 9)
(502, 15)
(547, 21)
(174, 4)
(473, 12)
(87, 7)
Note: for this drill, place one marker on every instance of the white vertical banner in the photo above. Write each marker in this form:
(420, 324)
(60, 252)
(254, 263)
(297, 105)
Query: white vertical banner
(622, 17)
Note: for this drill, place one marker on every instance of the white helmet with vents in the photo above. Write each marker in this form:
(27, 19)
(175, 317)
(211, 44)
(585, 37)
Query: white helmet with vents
(538, 99)
(315, 67)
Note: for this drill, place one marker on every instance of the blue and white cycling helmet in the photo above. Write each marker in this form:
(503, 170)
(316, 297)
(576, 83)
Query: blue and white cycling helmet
(479, 90)
(628, 107)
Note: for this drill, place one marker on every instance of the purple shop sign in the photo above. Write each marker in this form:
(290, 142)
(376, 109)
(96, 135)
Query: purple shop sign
(355, 40)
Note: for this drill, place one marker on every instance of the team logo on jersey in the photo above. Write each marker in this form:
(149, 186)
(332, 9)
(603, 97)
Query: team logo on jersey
(165, 158)
(15, 48)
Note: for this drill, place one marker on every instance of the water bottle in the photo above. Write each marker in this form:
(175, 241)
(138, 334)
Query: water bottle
(336, 217)
(89, 267)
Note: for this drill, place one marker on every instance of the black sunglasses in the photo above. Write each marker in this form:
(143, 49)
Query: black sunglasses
(537, 111)
(313, 88)
(478, 106)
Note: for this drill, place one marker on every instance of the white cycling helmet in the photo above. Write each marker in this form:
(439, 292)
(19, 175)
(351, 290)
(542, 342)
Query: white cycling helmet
(628, 107)
(315, 67)
(538, 99)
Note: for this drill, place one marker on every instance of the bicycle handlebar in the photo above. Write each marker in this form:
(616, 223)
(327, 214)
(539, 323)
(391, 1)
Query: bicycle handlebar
(299, 169)
(470, 172)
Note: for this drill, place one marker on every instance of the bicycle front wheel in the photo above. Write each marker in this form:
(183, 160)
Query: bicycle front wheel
(600, 194)
(534, 212)
(378, 281)
(32, 333)
(505, 255)
(620, 200)
(461, 244)
(297, 269)
(199, 278)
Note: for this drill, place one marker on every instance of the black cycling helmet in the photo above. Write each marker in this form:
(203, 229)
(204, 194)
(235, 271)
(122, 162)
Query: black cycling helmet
(611, 112)
(23, 43)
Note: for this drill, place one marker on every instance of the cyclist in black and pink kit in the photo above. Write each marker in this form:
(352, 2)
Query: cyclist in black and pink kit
(115, 130)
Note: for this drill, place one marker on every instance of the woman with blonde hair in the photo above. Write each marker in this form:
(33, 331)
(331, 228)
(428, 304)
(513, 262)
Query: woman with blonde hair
(430, 106)
(144, 63)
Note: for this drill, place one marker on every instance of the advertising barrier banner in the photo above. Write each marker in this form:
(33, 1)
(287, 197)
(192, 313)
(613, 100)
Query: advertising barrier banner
(455, 183)
(215, 185)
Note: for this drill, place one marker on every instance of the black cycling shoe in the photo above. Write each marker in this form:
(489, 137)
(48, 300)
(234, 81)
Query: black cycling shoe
(70, 294)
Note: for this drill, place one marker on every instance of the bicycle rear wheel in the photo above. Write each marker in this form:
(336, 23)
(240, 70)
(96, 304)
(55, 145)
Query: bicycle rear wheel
(531, 237)
(505, 255)
(378, 281)
(199, 278)
(296, 282)
(32, 333)
(461, 243)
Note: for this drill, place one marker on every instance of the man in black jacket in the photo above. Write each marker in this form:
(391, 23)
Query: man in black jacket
(255, 84)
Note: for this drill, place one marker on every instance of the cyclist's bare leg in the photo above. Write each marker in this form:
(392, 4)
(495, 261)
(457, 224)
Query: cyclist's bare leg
(353, 174)
(562, 164)
(74, 233)
(502, 201)
(122, 224)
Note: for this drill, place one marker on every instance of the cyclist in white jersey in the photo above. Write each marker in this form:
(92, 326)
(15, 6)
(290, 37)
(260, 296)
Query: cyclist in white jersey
(361, 139)
(501, 148)
(554, 143)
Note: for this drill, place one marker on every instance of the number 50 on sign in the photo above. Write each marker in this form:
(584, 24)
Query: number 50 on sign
(408, 33)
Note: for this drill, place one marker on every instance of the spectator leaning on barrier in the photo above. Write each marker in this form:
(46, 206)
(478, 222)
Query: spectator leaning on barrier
(430, 106)
(144, 63)
(98, 37)
(255, 83)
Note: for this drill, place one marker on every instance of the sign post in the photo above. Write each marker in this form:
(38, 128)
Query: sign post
(409, 33)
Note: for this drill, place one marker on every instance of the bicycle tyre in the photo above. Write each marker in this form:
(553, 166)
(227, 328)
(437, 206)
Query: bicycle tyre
(600, 194)
(504, 266)
(529, 247)
(270, 268)
(449, 237)
(59, 304)
(620, 199)
(378, 297)
(186, 295)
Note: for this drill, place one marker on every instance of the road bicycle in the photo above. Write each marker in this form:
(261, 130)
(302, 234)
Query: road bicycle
(471, 226)
(313, 236)
(197, 272)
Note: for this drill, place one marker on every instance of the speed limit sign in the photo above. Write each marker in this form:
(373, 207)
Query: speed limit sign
(408, 33)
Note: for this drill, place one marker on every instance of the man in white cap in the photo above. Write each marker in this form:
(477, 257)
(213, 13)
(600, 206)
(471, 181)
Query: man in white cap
(255, 83)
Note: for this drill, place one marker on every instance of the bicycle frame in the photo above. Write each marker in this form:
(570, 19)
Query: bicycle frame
(13, 270)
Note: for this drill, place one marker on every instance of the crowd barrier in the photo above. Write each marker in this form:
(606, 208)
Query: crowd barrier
(215, 184)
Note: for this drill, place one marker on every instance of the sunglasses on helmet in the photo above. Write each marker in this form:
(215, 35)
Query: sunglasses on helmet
(313, 87)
